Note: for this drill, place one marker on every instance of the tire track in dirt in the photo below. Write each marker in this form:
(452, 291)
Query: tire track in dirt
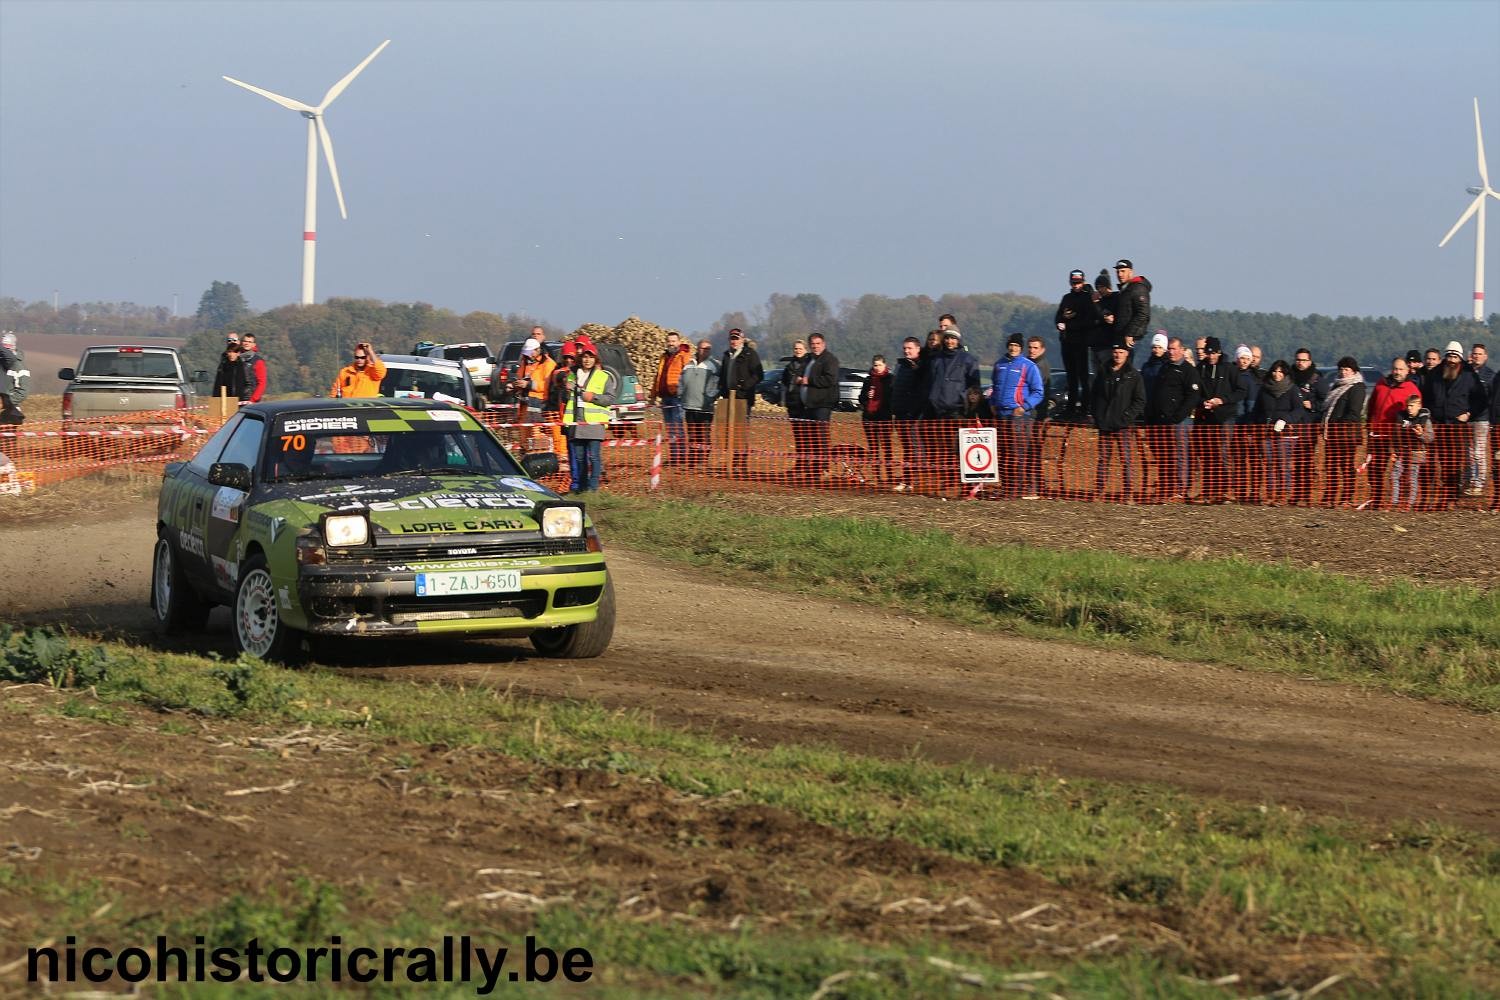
(773, 667)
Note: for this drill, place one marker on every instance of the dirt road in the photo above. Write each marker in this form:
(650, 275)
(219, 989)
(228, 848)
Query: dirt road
(774, 667)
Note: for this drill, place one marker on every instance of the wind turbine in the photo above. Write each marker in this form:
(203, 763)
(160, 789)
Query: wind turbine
(1477, 205)
(316, 131)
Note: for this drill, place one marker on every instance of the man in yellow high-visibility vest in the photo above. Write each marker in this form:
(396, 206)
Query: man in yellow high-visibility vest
(590, 391)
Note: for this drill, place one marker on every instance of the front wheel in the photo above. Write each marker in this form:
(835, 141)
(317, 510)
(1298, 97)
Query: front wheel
(174, 602)
(258, 627)
(582, 641)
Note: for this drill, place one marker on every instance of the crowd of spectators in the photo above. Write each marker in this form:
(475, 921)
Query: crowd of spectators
(1200, 424)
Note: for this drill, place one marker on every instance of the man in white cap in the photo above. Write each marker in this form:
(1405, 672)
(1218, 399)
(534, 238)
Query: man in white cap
(529, 384)
(15, 380)
(1454, 396)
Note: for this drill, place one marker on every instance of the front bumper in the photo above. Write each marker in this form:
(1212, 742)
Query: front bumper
(376, 598)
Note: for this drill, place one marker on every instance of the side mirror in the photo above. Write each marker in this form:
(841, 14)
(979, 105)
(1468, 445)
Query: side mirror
(66, 375)
(200, 376)
(539, 464)
(237, 476)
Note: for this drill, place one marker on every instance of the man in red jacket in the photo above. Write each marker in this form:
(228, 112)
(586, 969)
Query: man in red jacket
(255, 369)
(1387, 407)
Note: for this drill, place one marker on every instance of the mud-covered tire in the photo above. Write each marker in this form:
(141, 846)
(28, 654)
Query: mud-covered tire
(175, 605)
(580, 642)
(256, 620)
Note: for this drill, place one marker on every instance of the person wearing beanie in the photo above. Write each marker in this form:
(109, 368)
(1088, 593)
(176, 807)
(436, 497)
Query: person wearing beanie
(1132, 306)
(1455, 397)
(1342, 419)
(1015, 393)
(1220, 394)
(15, 379)
(1103, 340)
(1155, 361)
(1078, 322)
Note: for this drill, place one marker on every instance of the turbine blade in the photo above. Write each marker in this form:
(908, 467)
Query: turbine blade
(285, 102)
(338, 88)
(1484, 173)
(1473, 207)
(333, 168)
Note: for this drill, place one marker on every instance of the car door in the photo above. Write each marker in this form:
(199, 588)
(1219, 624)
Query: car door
(225, 505)
(186, 504)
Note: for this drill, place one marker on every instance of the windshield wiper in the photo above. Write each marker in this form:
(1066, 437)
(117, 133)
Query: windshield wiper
(426, 471)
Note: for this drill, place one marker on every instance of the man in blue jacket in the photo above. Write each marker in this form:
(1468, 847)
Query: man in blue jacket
(951, 371)
(1015, 393)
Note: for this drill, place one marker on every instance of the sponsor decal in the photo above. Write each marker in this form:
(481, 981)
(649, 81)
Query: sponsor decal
(225, 573)
(190, 542)
(304, 424)
(447, 501)
(350, 490)
(285, 597)
(477, 524)
(271, 526)
(524, 484)
(227, 503)
(452, 415)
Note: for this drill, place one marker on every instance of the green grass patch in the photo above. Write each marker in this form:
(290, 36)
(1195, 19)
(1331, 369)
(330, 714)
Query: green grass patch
(1429, 641)
(1426, 896)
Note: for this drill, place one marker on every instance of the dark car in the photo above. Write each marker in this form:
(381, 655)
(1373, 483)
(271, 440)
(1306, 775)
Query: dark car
(374, 518)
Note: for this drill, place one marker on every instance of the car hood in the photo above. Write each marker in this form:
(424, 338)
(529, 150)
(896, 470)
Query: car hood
(415, 505)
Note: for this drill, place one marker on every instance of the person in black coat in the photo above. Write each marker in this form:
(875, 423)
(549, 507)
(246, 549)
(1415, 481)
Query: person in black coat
(230, 375)
(876, 417)
(1077, 319)
(909, 400)
(818, 386)
(1102, 339)
(1130, 314)
(1169, 412)
(1343, 433)
(1277, 412)
(1221, 391)
(740, 370)
(1118, 397)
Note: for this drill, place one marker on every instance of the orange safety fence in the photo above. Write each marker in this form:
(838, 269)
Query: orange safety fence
(1342, 465)
(49, 451)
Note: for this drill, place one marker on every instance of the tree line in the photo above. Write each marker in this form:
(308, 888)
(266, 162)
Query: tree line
(306, 345)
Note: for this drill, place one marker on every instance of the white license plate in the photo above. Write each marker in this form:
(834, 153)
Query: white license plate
(483, 581)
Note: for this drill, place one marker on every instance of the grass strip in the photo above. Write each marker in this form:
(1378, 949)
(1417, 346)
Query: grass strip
(1428, 641)
(1425, 896)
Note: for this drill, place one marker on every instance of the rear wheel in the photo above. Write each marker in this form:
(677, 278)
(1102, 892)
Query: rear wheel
(585, 640)
(258, 627)
(175, 603)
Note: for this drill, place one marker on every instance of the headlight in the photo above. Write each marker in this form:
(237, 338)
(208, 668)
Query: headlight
(346, 529)
(562, 522)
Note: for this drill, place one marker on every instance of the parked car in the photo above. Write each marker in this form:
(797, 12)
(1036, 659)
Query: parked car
(370, 519)
(116, 380)
(474, 356)
(629, 408)
(408, 376)
(851, 381)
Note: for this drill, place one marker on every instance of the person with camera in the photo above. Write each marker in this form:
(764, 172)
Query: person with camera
(1077, 319)
(361, 378)
(16, 379)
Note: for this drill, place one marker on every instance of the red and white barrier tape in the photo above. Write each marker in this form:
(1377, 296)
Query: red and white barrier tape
(179, 431)
(656, 464)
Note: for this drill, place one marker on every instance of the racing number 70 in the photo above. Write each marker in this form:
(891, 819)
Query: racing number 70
(293, 442)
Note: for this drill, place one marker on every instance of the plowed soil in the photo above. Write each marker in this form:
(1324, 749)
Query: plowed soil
(773, 667)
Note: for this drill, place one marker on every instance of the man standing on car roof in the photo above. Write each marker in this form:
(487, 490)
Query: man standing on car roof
(362, 378)
(256, 375)
(666, 391)
(1132, 306)
(1077, 319)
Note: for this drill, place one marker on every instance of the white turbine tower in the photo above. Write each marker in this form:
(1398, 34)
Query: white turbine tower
(1477, 205)
(316, 131)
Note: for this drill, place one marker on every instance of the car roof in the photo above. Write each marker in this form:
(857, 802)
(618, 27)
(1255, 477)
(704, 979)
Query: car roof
(281, 406)
(422, 361)
(133, 347)
(467, 343)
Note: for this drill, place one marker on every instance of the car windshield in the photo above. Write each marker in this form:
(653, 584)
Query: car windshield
(417, 383)
(466, 353)
(374, 442)
(129, 364)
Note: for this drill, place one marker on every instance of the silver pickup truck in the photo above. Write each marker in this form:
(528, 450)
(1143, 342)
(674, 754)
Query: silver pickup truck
(127, 381)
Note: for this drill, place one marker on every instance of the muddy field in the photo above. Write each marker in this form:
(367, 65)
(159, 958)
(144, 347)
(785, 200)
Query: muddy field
(735, 659)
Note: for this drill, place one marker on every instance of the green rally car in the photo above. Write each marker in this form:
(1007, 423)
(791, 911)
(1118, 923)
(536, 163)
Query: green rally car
(370, 518)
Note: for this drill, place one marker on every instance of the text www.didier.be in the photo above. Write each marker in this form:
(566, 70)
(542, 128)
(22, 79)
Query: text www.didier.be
(454, 960)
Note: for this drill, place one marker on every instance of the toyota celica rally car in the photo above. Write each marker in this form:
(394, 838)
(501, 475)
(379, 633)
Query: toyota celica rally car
(373, 518)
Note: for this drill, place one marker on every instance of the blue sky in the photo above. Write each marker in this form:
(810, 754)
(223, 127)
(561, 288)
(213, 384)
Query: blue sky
(583, 162)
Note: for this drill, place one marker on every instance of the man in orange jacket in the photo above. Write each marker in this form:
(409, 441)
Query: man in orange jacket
(674, 359)
(362, 378)
(533, 378)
